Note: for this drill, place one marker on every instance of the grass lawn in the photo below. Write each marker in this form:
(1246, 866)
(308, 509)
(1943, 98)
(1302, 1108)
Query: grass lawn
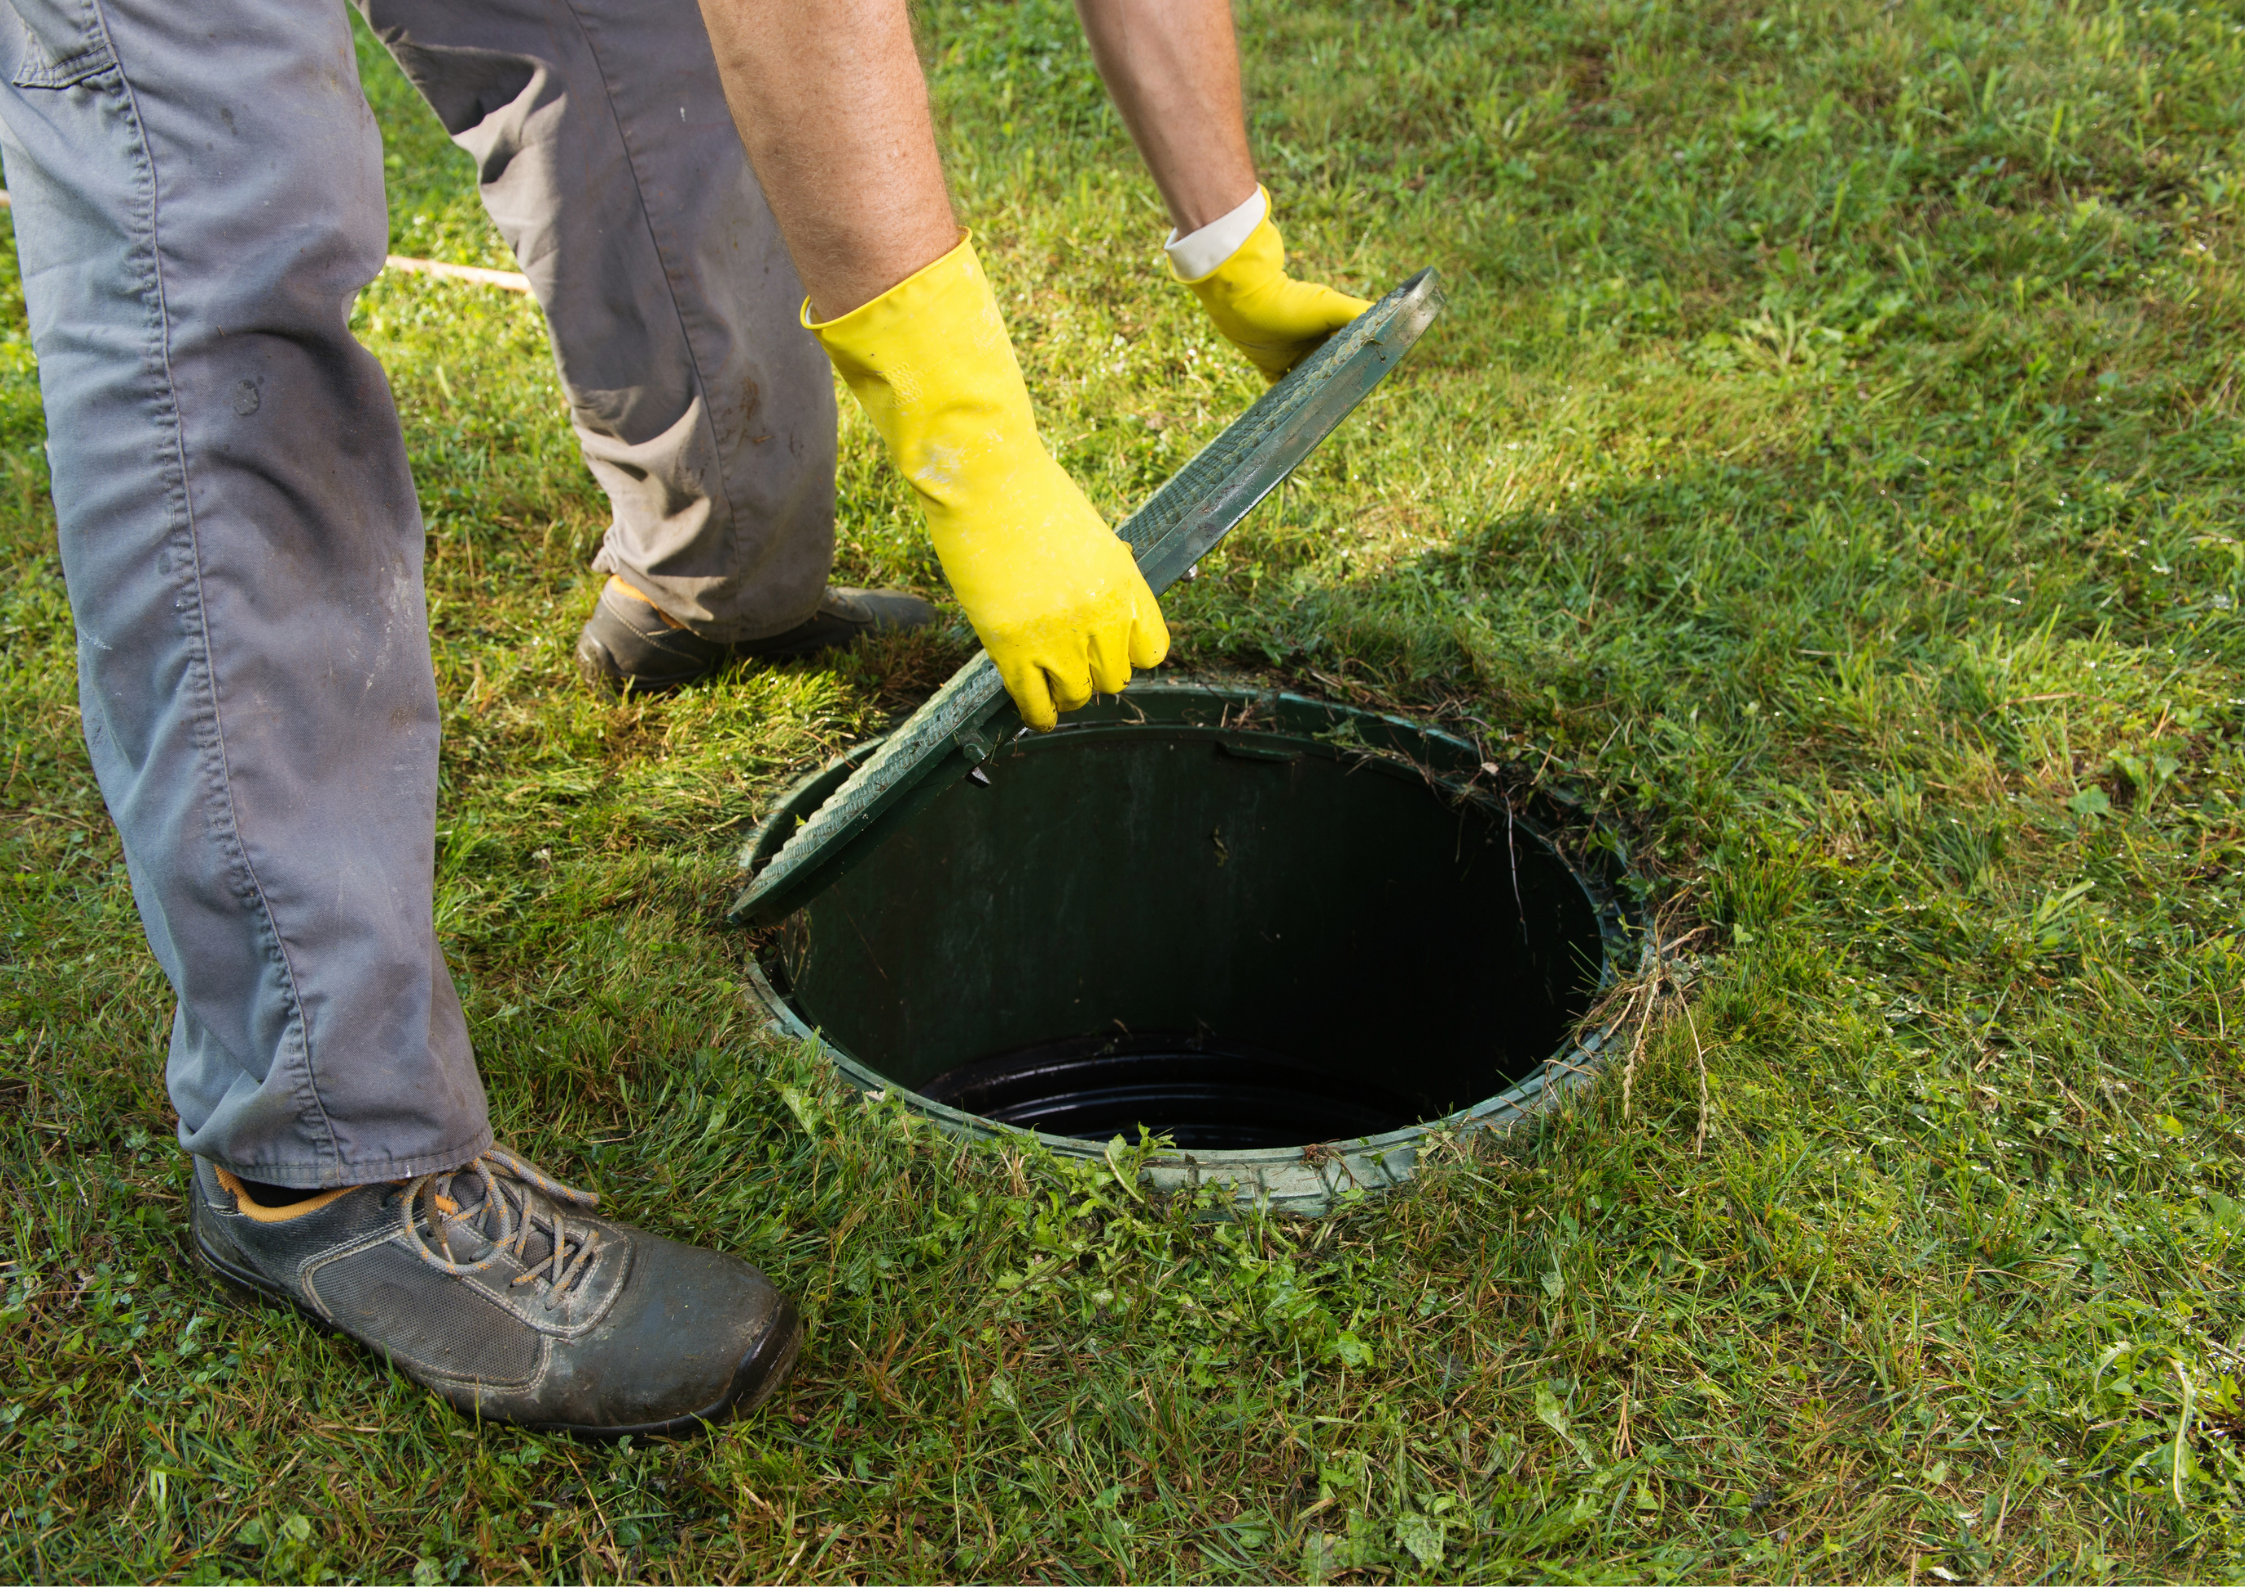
(1830, 466)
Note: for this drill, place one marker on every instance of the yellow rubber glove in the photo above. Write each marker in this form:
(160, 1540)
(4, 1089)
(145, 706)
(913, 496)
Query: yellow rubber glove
(1053, 593)
(1272, 318)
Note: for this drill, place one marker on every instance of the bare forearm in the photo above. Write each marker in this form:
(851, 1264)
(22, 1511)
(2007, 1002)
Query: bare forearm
(833, 111)
(1172, 67)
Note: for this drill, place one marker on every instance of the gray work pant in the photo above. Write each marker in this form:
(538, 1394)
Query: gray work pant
(198, 198)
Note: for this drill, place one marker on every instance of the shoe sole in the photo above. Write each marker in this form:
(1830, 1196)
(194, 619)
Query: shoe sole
(756, 1379)
(598, 665)
(600, 669)
(603, 671)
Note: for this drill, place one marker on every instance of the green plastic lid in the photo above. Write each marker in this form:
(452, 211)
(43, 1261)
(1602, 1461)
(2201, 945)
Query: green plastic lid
(956, 729)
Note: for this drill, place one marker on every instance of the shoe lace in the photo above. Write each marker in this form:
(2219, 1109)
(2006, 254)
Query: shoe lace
(516, 1202)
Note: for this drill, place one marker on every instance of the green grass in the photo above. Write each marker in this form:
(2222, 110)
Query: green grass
(1831, 465)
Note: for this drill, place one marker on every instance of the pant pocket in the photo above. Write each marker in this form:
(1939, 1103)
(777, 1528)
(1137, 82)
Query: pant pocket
(62, 44)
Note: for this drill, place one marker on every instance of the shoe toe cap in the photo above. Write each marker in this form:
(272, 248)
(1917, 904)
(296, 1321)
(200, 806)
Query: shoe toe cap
(694, 1335)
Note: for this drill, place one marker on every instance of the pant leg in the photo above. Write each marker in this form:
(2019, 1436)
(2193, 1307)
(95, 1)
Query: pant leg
(198, 197)
(612, 167)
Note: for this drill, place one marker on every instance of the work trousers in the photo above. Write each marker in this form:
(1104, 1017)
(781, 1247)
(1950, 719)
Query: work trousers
(198, 198)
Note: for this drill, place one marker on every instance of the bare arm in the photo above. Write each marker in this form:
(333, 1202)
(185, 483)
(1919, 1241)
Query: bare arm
(1172, 67)
(833, 111)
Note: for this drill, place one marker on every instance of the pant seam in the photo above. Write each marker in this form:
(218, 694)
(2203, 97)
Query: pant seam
(210, 717)
(720, 487)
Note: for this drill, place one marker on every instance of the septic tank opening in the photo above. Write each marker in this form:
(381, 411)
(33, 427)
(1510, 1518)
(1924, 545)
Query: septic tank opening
(1241, 920)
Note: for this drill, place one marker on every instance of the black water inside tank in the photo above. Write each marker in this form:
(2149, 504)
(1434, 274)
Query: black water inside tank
(1205, 1095)
(1235, 938)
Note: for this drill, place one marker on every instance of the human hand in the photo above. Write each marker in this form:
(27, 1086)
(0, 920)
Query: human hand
(1272, 318)
(1054, 596)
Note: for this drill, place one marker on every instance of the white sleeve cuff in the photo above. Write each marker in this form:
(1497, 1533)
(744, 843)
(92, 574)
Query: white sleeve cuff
(1206, 250)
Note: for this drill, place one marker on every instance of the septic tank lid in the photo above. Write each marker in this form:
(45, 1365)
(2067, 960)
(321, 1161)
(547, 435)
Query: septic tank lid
(955, 731)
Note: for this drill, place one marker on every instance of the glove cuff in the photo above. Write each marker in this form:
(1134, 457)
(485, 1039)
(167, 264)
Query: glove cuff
(927, 313)
(1261, 255)
(1204, 252)
(930, 362)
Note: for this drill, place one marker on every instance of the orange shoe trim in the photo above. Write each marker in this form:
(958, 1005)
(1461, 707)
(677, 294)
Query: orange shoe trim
(622, 588)
(257, 1213)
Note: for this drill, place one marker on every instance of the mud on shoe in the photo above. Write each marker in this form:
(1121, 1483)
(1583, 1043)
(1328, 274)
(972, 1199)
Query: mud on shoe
(500, 1288)
(631, 643)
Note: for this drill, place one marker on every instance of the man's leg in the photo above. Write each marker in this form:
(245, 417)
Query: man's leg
(198, 195)
(611, 165)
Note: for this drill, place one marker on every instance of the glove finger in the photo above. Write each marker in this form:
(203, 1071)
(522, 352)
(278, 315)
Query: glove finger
(1284, 309)
(1339, 307)
(1070, 679)
(1110, 658)
(1311, 309)
(1149, 633)
(1311, 314)
(1025, 681)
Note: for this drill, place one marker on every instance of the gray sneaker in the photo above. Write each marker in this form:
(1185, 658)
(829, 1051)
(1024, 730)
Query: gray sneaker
(495, 1286)
(629, 643)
